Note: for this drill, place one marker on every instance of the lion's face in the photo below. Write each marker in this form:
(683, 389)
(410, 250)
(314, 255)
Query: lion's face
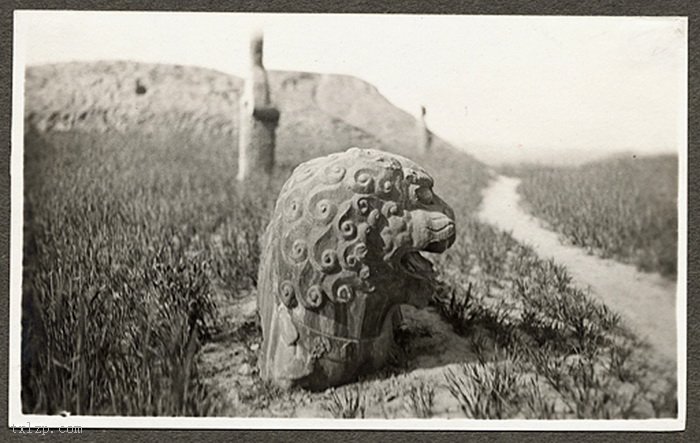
(346, 241)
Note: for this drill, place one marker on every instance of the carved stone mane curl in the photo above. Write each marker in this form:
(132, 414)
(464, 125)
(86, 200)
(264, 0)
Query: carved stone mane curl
(328, 213)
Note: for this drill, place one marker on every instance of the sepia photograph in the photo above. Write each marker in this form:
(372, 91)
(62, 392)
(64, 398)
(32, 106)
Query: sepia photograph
(348, 221)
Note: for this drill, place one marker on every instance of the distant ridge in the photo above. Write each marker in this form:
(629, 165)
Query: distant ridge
(321, 113)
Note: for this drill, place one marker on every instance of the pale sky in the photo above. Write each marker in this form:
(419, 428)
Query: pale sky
(502, 87)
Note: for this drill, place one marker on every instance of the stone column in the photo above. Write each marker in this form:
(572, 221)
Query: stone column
(425, 137)
(258, 119)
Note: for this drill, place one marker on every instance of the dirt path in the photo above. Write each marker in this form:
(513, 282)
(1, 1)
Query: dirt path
(645, 301)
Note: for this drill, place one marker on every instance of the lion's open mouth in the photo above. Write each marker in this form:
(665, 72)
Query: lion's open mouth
(443, 234)
(414, 264)
(441, 245)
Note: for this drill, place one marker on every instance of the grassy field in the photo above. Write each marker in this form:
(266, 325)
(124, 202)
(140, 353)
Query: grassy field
(625, 208)
(133, 239)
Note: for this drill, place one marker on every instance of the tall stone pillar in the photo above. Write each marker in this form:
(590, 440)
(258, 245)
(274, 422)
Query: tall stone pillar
(258, 119)
(425, 137)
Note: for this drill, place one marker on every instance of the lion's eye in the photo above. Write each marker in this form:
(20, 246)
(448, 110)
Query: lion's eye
(425, 195)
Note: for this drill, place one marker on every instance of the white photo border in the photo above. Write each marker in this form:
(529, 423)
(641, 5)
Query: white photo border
(17, 418)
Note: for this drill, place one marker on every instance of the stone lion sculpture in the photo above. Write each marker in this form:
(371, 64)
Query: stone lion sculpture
(341, 253)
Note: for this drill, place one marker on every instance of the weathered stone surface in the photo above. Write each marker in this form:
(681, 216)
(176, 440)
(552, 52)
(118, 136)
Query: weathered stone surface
(258, 119)
(341, 253)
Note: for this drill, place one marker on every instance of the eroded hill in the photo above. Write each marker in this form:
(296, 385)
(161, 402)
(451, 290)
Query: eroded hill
(320, 113)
